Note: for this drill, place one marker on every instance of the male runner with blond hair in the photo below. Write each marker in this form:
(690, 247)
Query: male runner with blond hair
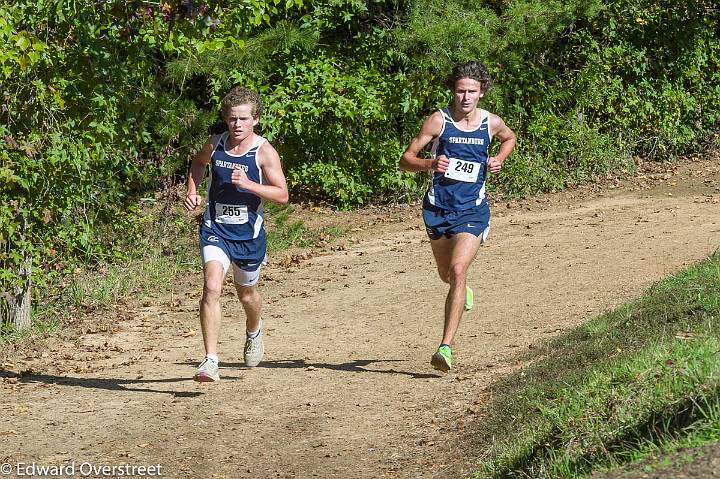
(245, 169)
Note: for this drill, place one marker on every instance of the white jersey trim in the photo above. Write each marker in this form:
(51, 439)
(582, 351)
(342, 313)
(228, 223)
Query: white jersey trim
(215, 142)
(259, 140)
(433, 153)
(445, 118)
(257, 161)
(484, 120)
(481, 195)
(259, 220)
(431, 193)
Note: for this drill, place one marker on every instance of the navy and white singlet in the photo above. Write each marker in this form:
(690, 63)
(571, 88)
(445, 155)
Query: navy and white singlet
(233, 213)
(470, 146)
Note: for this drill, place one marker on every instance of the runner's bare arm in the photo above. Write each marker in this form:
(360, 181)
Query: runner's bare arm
(430, 130)
(274, 187)
(197, 173)
(507, 138)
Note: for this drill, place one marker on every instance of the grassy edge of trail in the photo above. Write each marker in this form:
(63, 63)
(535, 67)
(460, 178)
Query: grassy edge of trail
(639, 380)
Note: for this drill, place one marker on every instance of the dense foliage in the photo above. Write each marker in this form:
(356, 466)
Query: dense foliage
(104, 103)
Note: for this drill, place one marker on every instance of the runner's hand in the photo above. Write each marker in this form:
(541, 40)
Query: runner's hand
(440, 164)
(192, 201)
(239, 178)
(494, 164)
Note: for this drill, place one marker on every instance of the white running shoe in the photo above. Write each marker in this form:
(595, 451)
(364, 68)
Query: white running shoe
(254, 349)
(207, 372)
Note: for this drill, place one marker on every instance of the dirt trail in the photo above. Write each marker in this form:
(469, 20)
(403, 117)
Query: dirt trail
(346, 389)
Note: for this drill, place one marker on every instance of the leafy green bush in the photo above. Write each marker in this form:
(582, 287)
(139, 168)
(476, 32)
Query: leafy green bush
(648, 69)
(103, 103)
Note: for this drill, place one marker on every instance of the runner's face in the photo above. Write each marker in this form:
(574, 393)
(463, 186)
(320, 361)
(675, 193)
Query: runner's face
(466, 94)
(240, 121)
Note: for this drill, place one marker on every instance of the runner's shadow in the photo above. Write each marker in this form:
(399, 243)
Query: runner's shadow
(110, 384)
(357, 366)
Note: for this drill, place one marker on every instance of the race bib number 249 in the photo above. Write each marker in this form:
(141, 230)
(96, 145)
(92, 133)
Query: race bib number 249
(462, 170)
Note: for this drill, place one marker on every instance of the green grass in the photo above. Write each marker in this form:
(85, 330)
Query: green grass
(639, 380)
(145, 271)
(169, 249)
(9, 334)
(284, 233)
(149, 272)
(150, 261)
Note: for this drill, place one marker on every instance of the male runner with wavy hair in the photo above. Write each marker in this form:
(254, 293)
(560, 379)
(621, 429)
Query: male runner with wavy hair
(455, 208)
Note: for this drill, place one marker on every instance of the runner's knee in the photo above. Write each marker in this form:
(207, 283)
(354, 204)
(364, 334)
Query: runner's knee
(457, 273)
(247, 295)
(211, 291)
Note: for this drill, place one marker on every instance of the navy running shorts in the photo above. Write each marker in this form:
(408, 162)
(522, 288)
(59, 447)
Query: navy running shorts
(248, 255)
(440, 222)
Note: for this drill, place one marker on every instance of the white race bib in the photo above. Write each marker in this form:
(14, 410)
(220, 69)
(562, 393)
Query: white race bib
(231, 214)
(461, 170)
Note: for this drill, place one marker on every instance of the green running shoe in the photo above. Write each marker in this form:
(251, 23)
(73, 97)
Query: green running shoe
(442, 359)
(468, 298)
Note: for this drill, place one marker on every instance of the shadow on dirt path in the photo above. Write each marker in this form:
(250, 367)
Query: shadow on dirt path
(346, 389)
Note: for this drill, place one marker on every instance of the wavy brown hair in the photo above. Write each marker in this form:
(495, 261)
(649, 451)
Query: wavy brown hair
(240, 95)
(474, 70)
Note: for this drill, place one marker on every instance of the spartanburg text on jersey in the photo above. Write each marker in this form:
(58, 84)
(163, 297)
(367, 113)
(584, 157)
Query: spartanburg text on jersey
(232, 212)
(463, 185)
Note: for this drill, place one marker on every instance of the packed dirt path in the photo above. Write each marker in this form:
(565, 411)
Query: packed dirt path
(346, 389)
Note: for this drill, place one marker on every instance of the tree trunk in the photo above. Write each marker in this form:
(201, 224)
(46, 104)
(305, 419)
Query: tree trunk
(20, 311)
(18, 308)
(19, 301)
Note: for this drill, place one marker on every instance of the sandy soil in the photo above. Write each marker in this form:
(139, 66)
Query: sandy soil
(346, 389)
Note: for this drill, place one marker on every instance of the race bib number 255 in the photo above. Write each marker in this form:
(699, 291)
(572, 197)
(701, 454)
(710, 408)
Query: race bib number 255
(231, 214)
(461, 170)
